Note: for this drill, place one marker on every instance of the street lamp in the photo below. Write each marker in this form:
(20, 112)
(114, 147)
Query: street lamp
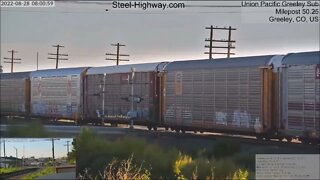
(132, 113)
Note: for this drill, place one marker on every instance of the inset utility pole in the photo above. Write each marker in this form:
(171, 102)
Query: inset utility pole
(211, 40)
(12, 59)
(53, 159)
(4, 148)
(118, 54)
(57, 58)
(67, 146)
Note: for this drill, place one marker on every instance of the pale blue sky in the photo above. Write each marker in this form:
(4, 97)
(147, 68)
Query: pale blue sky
(87, 30)
(39, 147)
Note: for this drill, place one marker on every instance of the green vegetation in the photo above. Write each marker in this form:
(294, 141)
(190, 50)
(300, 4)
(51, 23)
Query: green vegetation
(71, 157)
(9, 170)
(121, 170)
(128, 158)
(33, 129)
(43, 172)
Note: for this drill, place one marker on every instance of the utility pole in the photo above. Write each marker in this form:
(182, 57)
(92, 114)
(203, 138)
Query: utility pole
(67, 146)
(12, 59)
(57, 55)
(118, 54)
(4, 148)
(53, 159)
(211, 40)
(37, 61)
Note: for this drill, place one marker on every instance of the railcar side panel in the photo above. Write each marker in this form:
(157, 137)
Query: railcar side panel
(15, 94)
(109, 97)
(221, 98)
(57, 96)
(301, 105)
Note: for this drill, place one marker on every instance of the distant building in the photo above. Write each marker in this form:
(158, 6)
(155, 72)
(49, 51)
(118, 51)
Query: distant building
(10, 161)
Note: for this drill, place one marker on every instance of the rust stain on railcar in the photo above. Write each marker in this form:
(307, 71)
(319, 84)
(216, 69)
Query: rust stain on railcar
(267, 77)
(178, 83)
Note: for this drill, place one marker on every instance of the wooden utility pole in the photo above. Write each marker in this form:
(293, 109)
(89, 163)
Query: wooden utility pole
(4, 148)
(53, 158)
(211, 40)
(117, 55)
(67, 146)
(57, 55)
(12, 59)
(37, 61)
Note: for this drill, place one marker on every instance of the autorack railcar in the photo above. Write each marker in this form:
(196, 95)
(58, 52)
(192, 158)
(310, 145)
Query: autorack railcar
(57, 93)
(14, 94)
(221, 95)
(300, 96)
(111, 90)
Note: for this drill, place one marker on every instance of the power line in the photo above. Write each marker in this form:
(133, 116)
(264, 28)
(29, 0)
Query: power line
(12, 59)
(211, 41)
(57, 55)
(117, 55)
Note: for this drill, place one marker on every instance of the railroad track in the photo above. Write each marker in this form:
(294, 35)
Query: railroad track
(143, 131)
(17, 174)
(239, 138)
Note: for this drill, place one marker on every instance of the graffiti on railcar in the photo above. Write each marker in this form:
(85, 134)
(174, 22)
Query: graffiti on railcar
(39, 107)
(69, 109)
(178, 114)
(221, 118)
(241, 118)
(318, 71)
(52, 108)
(257, 125)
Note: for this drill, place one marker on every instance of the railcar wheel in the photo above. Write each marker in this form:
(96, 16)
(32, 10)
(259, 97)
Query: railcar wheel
(201, 132)
(155, 128)
(183, 131)
(177, 130)
(149, 128)
(259, 137)
(166, 128)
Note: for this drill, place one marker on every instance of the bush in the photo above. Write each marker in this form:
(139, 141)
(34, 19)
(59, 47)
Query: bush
(94, 152)
(115, 170)
(44, 172)
(226, 149)
(101, 158)
(33, 129)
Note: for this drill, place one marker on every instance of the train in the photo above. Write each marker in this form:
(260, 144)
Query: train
(270, 96)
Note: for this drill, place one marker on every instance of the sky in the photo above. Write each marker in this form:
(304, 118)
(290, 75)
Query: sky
(39, 147)
(86, 30)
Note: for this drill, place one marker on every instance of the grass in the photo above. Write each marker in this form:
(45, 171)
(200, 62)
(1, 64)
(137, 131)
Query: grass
(43, 172)
(9, 170)
(150, 161)
(31, 129)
